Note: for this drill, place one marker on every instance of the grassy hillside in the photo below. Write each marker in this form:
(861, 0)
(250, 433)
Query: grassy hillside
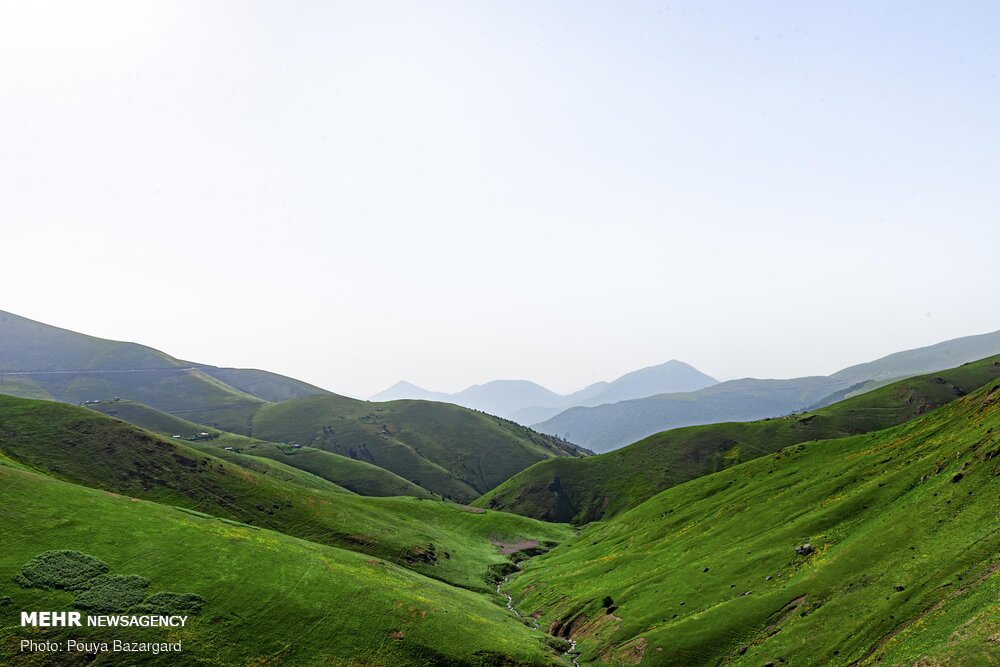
(263, 384)
(442, 540)
(582, 490)
(450, 451)
(904, 547)
(42, 361)
(608, 427)
(925, 359)
(358, 476)
(26, 345)
(269, 599)
(453, 451)
(270, 467)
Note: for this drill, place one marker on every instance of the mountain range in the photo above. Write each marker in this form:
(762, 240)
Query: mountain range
(607, 427)
(585, 490)
(527, 402)
(313, 529)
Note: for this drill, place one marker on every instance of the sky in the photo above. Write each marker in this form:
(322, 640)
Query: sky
(354, 193)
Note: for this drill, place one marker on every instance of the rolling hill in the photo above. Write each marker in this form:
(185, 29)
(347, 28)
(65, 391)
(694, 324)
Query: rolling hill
(607, 427)
(583, 490)
(447, 450)
(881, 548)
(819, 538)
(357, 476)
(268, 598)
(42, 361)
(453, 451)
(441, 540)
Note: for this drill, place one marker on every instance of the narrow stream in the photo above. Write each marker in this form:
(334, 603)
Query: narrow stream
(569, 653)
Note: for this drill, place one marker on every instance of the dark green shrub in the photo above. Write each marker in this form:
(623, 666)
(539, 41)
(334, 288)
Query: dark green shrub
(113, 593)
(497, 571)
(70, 570)
(171, 604)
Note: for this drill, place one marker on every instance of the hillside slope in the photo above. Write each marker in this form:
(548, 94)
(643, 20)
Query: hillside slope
(583, 490)
(450, 450)
(928, 359)
(265, 385)
(607, 427)
(358, 476)
(269, 599)
(453, 452)
(441, 540)
(41, 361)
(901, 565)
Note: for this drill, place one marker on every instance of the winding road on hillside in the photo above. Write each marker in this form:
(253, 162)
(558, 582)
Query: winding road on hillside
(117, 370)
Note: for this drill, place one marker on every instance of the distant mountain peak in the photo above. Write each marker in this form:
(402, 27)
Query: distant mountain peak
(404, 384)
(528, 402)
(404, 390)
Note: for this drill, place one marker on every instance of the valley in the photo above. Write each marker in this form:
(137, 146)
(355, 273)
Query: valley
(298, 526)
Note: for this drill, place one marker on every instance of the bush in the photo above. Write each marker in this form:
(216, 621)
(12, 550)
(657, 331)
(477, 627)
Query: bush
(70, 570)
(113, 593)
(171, 604)
(497, 571)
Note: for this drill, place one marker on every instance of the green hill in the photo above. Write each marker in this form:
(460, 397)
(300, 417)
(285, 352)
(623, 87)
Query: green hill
(263, 384)
(453, 451)
(582, 490)
(903, 549)
(358, 476)
(442, 540)
(269, 599)
(272, 468)
(447, 450)
(41, 361)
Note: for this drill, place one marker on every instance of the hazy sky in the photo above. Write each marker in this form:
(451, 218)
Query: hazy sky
(356, 193)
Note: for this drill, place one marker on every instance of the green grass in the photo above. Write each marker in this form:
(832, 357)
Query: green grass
(268, 599)
(22, 385)
(85, 447)
(453, 451)
(273, 469)
(358, 476)
(305, 465)
(588, 489)
(265, 385)
(154, 420)
(907, 544)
